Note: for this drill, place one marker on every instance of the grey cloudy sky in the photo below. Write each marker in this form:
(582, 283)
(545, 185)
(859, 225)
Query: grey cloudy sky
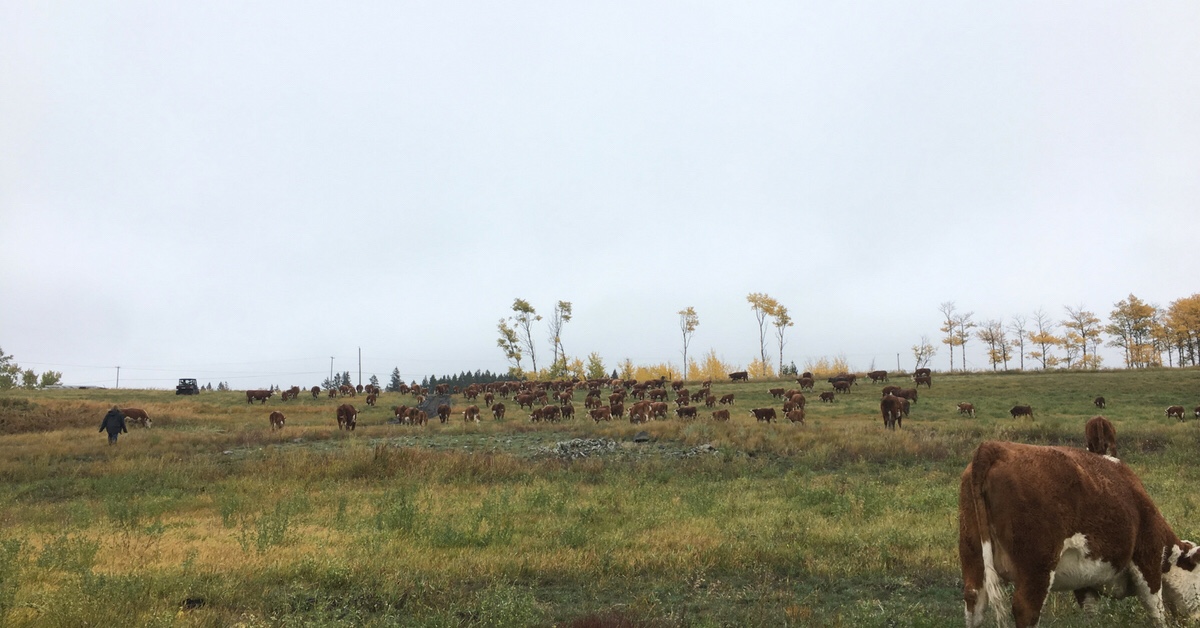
(240, 191)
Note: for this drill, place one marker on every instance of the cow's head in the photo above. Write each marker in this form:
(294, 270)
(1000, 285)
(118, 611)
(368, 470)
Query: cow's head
(1181, 579)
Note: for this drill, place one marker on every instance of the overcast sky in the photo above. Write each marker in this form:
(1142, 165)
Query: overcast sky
(240, 191)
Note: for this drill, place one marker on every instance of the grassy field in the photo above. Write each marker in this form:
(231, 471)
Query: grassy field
(211, 519)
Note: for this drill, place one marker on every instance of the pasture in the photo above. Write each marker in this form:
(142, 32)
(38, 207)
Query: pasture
(210, 518)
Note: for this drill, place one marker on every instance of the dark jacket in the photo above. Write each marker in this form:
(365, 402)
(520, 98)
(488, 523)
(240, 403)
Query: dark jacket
(114, 422)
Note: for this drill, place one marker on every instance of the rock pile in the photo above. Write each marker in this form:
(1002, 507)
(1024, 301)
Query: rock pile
(577, 448)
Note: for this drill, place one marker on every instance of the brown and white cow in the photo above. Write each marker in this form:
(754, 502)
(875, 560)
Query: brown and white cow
(686, 412)
(806, 383)
(878, 376)
(443, 412)
(726, 399)
(892, 409)
(260, 396)
(763, 414)
(347, 417)
(841, 385)
(600, 414)
(1100, 436)
(828, 397)
(1018, 411)
(1099, 402)
(137, 416)
(1175, 411)
(471, 413)
(498, 411)
(967, 409)
(1062, 519)
(372, 398)
(777, 392)
(316, 391)
(796, 416)
(720, 415)
(277, 420)
(923, 379)
(740, 376)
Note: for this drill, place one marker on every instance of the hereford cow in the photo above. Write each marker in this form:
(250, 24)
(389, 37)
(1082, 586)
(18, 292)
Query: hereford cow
(841, 385)
(498, 411)
(417, 416)
(1021, 411)
(600, 414)
(763, 414)
(806, 383)
(777, 392)
(658, 409)
(923, 371)
(524, 399)
(796, 416)
(878, 376)
(908, 393)
(640, 412)
(277, 420)
(617, 410)
(967, 409)
(727, 399)
(711, 400)
(443, 412)
(740, 376)
(923, 379)
(686, 412)
(889, 390)
(260, 396)
(892, 409)
(1061, 519)
(828, 397)
(1099, 402)
(471, 414)
(137, 416)
(720, 415)
(347, 417)
(401, 413)
(1175, 411)
(371, 399)
(316, 391)
(1100, 436)
(1196, 412)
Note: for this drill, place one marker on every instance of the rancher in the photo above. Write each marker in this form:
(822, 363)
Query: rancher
(114, 422)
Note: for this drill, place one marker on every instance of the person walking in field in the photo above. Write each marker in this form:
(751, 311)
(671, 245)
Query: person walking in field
(114, 422)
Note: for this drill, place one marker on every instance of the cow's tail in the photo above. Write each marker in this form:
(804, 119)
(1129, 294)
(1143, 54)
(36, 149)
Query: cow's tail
(994, 595)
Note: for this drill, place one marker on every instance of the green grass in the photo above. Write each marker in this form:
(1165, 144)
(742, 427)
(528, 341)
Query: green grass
(210, 519)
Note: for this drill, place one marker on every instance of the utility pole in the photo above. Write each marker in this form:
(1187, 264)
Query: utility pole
(331, 370)
(898, 362)
(360, 366)
(118, 377)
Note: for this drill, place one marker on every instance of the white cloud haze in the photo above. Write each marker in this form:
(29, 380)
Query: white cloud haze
(238, 192)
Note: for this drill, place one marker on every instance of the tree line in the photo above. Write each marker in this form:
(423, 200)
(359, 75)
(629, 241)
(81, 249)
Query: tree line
(1143, 331)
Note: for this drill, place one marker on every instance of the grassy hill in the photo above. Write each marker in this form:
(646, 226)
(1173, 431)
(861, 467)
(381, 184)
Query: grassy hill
(211, 519)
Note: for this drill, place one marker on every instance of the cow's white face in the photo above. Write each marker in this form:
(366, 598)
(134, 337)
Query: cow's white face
(1181, 585)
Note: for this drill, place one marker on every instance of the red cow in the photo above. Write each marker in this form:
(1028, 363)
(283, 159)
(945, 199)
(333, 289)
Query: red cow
(277, 420)
(892, 409)
(498, 411)
(138, 416)
(720, 415)
(1061, 519)
(260, 396)
(1100, 436)
(1175, 411)
(601, 414)
(763, 414)
(471, 414)
(316, 391)
(1017, 411)
(347, 417)
(1099, 402)
(371, 398)
(443, 412)
(740, 376)
(828, 397)
(967, 409)
(796, 416)
(686, 412)
(841, 385)
(806, 383)
(727, 399)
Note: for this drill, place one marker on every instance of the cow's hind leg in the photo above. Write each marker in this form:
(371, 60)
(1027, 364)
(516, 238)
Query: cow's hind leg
(1029, 597)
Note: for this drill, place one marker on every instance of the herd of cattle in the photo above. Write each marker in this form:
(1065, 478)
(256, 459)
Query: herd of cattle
(1042, 518)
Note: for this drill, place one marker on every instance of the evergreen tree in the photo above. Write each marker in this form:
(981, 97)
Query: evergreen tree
(396, 382)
